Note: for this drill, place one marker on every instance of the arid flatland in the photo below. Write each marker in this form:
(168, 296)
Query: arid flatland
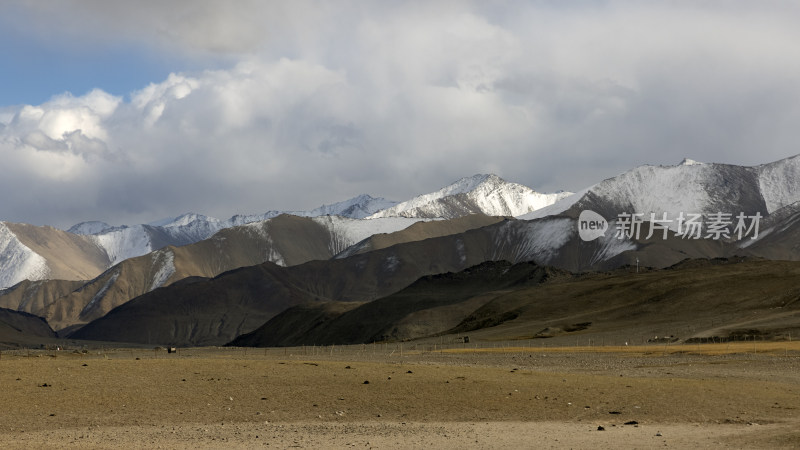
(712, 395)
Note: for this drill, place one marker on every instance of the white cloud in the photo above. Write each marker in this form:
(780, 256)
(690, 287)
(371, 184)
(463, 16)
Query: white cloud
(321, 102)
(65, 114)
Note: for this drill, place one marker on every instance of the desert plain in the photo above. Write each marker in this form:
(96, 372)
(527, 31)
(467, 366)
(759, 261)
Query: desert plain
(411, 395)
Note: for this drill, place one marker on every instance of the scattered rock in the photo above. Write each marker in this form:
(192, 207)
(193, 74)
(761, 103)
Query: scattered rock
(614, 412)
(659, 434)
(632, 422)
(366, 381)
(45, 385)
(409, 372)
(601, 428)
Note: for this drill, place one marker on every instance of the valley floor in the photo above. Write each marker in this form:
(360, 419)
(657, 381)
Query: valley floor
(382, 396)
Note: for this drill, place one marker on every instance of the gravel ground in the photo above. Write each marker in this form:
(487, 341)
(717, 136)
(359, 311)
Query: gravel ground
(362, 397)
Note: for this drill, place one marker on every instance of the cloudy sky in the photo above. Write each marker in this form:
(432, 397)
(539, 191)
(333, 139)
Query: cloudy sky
(128, 112)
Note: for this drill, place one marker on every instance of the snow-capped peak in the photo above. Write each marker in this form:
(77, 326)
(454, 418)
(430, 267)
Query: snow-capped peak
(462, 186)
(468, 184)
(184, 220)
(689, 162)
(481, 193)
(356, 207)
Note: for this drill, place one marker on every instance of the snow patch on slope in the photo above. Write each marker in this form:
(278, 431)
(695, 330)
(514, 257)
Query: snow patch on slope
(536, 240)
(391, 263)
(347, 232)
(780, 183)
(100, 294)
(543, 241)
(124, 243)
(260, 232)
(610, 246)
(556, 208)
(659, 189)
(18, 262)
(273, 255)
(164, 265)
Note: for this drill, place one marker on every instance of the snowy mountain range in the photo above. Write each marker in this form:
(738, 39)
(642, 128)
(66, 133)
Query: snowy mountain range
(125, 242)
(486, 194)
(337, 258)
(89, 248)
(689, 187)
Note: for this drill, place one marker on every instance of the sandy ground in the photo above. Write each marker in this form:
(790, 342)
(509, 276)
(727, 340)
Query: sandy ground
(357, 397)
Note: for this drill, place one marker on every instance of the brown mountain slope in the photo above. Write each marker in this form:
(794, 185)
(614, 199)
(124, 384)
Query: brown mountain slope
(69, 256)
(34, 296)
(780, 235)
(696, 299)
(297, 325)
(203, 312)
(19, 329)
(420, 231)
(430, 305)
(724, 298)
(287, 240)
